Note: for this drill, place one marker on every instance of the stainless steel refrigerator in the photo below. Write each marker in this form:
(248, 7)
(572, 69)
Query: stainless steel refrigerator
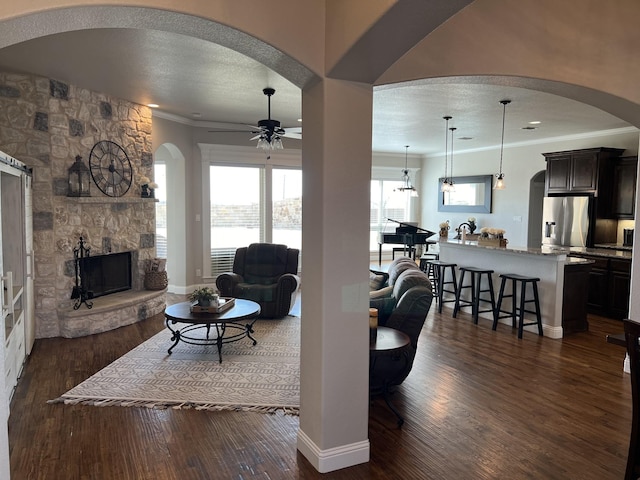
(565, 221)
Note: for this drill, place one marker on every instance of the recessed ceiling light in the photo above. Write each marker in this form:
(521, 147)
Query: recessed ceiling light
(152, 105)
(535, 122)
(299, 119)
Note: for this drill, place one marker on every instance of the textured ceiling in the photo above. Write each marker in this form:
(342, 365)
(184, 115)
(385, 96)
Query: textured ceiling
(204, 82)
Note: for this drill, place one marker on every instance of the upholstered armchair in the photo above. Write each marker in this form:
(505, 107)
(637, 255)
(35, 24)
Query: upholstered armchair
(265, 273)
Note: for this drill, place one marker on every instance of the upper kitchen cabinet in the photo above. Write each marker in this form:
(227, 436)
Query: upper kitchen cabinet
(587, 171)
(624, 187)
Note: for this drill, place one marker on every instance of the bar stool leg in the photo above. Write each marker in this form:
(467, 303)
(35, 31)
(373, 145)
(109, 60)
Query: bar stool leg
(523, 292)
(496, 314)
(476, 281)
(492, 295)
(537, 305)
(514, 303)
(440, 272)
(456, 306)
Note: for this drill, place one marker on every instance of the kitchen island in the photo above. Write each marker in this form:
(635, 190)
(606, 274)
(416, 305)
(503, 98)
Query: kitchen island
(562, 286)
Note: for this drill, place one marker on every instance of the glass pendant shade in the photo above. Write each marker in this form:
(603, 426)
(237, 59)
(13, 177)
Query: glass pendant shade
(499, 183)
(406, 179)
(446, 183)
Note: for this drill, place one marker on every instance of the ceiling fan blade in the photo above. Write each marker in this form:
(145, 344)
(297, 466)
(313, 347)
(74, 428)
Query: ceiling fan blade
(231, 131)
(293, 132)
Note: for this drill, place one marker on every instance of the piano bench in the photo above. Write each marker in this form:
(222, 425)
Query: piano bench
(412, 252)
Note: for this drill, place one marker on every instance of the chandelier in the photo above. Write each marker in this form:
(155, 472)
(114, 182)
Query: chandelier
(270, 133)
(406, 180)
(447, 184)
(499, 185)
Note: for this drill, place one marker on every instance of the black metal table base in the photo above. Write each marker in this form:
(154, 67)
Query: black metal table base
(386, 394)
(184, 334)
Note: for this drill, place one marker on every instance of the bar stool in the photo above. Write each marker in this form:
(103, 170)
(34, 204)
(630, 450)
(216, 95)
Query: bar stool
(518, 312)
(437, 271)
(476, 291)
(425, 258)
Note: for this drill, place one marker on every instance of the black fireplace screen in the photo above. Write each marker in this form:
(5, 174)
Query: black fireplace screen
(105, 274)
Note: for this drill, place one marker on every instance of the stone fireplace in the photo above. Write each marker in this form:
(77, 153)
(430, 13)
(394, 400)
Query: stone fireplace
(46, 123)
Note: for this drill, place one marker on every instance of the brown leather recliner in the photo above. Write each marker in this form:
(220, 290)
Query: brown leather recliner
(265, 273)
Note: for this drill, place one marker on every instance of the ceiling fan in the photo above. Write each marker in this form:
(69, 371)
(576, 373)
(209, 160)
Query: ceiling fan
(269, 133)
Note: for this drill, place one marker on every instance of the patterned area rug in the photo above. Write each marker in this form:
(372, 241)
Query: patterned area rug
(263, 378)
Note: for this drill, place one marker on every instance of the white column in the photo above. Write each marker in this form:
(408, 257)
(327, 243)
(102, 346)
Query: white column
(336, 170)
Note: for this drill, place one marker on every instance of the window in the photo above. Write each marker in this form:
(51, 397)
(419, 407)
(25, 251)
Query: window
(160, 177)
(236, 212)
(386, 203)
(286, 194)
(250, 204)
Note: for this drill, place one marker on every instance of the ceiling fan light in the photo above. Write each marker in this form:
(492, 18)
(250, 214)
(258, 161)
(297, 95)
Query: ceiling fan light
(263, 144)
(276, 143)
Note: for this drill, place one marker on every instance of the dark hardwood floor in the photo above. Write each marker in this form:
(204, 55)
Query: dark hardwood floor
(478, 405)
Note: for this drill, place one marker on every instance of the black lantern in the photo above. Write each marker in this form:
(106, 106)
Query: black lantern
(79, 179)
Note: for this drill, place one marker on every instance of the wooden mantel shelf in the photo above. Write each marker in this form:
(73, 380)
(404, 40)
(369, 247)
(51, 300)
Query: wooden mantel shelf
(111, 199)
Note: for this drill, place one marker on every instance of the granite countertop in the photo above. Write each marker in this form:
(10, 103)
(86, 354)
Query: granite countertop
(601, 252)
(614, 246)
(551, 250)
(545, 250)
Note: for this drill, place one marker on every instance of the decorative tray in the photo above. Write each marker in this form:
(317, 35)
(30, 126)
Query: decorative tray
(224, 303)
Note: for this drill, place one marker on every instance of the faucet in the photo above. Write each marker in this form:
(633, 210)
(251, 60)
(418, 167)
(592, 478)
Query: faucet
(459, 230)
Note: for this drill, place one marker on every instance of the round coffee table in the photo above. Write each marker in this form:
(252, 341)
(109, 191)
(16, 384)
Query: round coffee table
(227, 322)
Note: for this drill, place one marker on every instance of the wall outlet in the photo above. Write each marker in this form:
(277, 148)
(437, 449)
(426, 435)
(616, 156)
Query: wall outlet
(197, 217)
(198, 272)
(517, 218)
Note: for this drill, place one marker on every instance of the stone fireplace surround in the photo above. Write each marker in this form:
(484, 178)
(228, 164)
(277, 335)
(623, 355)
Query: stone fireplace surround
(45, 123)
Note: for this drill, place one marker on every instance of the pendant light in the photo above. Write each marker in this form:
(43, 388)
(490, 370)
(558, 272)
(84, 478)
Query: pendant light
(499, 185)
(452, 187)
(446, 187)
(406, 180)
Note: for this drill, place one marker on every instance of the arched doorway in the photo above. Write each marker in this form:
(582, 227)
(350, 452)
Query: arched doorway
(171, 229)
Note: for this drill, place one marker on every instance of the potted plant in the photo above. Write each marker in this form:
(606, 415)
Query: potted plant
(204, 296)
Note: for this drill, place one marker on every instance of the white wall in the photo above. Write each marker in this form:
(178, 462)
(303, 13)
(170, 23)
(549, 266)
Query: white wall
(510, 209)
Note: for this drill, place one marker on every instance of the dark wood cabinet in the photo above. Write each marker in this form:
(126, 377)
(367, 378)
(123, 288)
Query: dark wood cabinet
(624, 185)
(574, 298)
(609, 286)
(619, 288)
(587, 171)
(558, 171)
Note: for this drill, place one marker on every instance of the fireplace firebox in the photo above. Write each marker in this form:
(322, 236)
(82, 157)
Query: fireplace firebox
(106, 274)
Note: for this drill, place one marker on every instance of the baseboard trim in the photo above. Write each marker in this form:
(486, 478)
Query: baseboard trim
(333, 458)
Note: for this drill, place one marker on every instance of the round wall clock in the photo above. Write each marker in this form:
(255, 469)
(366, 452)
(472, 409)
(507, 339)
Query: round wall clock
(110, 168)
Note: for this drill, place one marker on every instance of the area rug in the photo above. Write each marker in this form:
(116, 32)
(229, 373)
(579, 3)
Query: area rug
(263, 378)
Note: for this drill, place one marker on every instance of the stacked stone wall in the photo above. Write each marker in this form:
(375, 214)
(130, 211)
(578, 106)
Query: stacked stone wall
(45, 123)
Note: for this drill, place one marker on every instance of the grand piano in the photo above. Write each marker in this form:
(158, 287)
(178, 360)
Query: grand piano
(407, 235)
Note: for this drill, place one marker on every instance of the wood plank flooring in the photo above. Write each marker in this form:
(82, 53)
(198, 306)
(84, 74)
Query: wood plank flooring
(478, 405)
